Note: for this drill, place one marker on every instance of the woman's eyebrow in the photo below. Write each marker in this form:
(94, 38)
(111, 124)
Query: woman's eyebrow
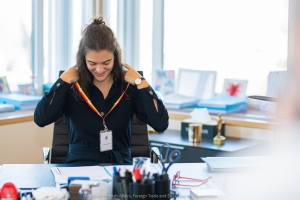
(91, 61)
(102, 62)
(107, 60)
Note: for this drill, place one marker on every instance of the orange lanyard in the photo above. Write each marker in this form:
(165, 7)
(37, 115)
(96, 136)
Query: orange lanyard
(89, 102)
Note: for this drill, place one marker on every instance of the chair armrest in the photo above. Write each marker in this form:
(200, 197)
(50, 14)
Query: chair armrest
(155, 154)
(46, 155)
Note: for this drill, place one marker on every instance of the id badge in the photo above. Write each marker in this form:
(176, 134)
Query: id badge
(105, 140)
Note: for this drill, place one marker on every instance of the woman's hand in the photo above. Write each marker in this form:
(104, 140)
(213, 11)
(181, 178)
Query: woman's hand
(70, 75)
(131, 74)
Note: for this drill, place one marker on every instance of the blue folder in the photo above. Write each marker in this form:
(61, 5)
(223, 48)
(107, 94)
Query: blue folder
(223, 104)
(20, 101)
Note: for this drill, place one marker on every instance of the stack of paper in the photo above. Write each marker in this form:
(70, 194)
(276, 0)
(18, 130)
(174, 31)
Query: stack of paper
(20, 101)
(206, 193)
(223, 104)
(177, 101)
(6, 107)
(62, 174)
(234, 163)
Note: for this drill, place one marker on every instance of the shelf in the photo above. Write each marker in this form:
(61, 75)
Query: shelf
(250, 118)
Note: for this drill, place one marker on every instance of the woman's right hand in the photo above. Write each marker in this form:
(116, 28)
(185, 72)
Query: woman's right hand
(70, 75)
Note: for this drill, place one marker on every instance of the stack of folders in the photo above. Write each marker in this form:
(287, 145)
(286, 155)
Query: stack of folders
(6, 107)
(223, 104)
(20, 101)
(177, 101)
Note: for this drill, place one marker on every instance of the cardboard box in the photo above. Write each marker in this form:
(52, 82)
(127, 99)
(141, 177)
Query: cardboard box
(208, 131)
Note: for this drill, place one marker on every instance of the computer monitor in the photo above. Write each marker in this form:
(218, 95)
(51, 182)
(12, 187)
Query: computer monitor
(196, 83)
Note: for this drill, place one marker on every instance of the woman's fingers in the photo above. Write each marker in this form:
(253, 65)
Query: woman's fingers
(127, 66)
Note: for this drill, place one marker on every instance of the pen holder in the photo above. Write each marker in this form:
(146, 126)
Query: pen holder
(162, 187)
(143, 190)
(116, 187)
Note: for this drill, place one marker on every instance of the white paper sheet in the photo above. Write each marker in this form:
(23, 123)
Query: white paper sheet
(93, 172)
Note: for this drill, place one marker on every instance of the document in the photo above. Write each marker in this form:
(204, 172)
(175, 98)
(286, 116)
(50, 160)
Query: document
(62, 174)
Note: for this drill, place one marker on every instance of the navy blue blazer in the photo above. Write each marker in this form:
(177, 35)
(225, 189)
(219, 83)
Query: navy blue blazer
(84, 124)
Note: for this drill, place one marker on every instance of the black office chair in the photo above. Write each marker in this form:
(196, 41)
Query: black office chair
(60, 143)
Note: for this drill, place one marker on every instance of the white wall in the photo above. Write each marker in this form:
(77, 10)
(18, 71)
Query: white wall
(23, 142)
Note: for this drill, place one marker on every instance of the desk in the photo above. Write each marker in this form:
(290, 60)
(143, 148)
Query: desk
(27, 176)
(265, 184)
(191, 153)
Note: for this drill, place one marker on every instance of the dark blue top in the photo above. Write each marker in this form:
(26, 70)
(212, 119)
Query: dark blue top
(84, 124)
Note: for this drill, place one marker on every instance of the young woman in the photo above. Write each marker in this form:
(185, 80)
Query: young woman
(98, 97)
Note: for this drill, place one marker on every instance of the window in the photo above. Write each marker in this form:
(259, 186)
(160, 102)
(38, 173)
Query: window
(60, 28)
(15, 37)
(63, 23)
(239, 39)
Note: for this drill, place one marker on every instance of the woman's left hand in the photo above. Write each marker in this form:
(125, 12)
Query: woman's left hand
(131, 74)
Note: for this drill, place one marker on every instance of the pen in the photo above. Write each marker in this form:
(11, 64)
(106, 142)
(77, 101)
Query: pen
(107, 171)
(137, 175)
(57, 170)
(115, 170)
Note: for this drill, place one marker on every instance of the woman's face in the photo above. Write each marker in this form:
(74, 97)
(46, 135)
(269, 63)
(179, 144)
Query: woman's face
(100, 64)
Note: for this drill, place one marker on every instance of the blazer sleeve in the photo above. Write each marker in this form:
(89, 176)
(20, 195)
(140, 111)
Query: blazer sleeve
(146, 111)
(50, 107)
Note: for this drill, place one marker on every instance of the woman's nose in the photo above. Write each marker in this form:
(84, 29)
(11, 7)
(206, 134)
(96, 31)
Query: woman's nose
(99, 69)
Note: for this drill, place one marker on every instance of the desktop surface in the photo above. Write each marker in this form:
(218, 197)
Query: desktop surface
(31, 176)
(232, 183)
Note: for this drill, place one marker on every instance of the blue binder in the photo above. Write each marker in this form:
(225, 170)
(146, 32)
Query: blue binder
(20, 101)
(223, 104)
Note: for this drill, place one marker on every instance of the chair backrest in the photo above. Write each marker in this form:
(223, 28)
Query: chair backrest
(60, 142)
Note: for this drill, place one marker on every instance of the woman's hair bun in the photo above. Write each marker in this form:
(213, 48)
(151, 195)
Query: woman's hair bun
(98, 20)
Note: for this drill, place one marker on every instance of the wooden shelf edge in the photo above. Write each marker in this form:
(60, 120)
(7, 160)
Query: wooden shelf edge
(16, 120)
(245, 122)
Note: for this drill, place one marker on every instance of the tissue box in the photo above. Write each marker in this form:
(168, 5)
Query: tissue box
(208, 131)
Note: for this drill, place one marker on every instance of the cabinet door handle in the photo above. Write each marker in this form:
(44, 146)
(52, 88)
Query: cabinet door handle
(172, 146)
